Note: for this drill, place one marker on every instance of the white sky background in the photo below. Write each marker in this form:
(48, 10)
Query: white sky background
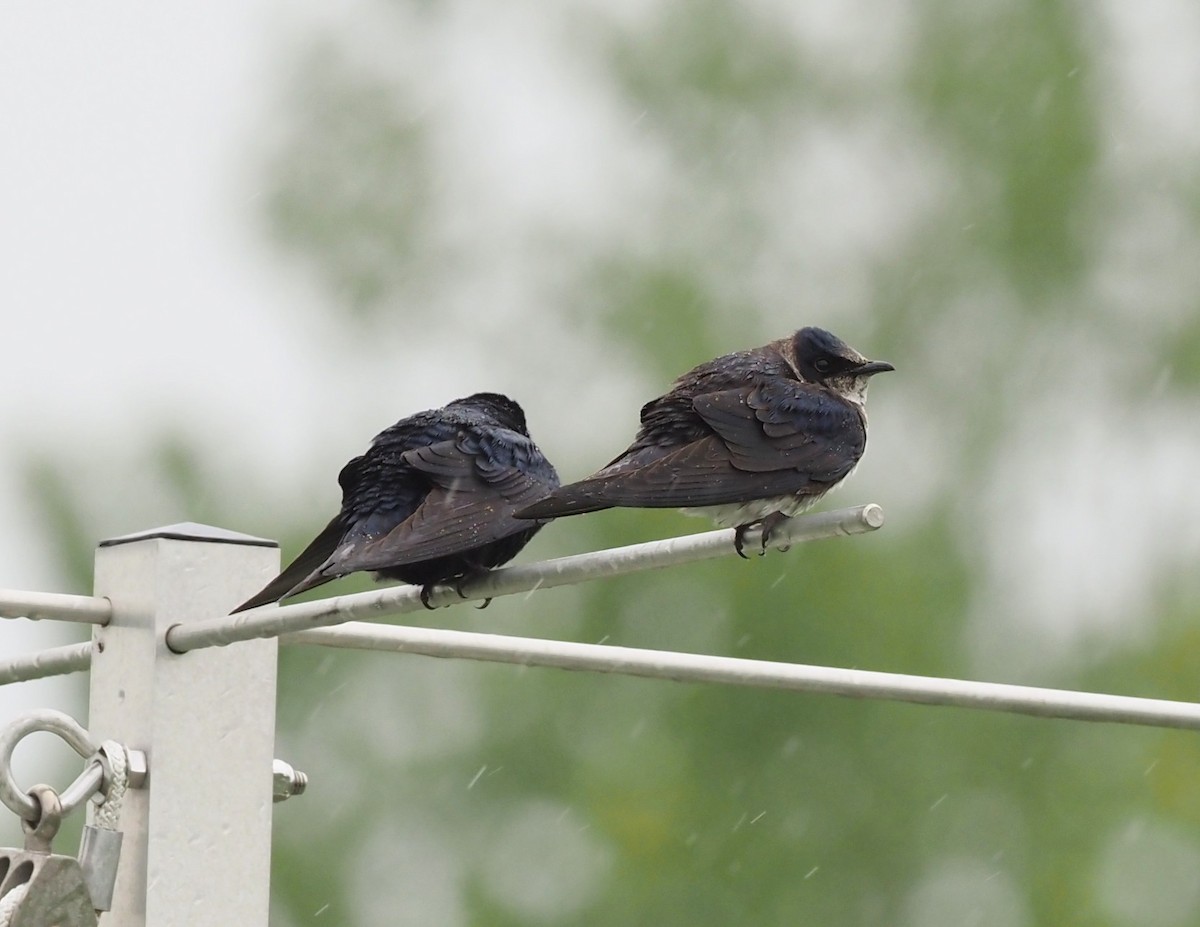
(133, 285)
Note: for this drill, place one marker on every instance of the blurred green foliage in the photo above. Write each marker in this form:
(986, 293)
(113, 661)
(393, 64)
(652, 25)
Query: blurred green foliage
(360, 229)
(1009, 91)
(477, 795)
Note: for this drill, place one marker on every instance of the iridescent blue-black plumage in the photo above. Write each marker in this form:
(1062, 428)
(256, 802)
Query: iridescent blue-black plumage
(748, 438)
(431, 501)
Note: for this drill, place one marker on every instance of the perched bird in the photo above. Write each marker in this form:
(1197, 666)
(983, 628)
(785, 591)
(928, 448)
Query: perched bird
(431, 501)
(750, 438)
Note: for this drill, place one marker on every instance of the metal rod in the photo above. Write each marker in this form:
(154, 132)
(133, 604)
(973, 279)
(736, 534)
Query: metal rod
(270, 621)
(689, 667)
(84, 609)
(56, 661)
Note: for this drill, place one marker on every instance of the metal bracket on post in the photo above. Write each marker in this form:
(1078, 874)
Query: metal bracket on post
(206, 720)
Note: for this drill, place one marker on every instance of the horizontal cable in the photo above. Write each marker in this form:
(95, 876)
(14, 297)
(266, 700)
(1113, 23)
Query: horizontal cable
(271, 621)
(689, 667)
(55, 661)
(686, 667)
(85, 609)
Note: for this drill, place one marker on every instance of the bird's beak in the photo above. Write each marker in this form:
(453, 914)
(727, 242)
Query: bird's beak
(870, 368)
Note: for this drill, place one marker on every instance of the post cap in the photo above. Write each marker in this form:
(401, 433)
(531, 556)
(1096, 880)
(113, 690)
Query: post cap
(190, 531)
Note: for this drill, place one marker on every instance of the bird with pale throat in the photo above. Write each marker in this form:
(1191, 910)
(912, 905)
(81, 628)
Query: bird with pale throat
(749, 439)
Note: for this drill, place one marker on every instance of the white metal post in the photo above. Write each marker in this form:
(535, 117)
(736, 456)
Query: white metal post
(197, 844)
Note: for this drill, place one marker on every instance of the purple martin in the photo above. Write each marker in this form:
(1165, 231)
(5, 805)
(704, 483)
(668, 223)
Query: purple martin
(431, 501)
(750, 438)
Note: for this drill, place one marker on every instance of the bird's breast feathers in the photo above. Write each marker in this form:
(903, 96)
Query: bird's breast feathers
(744, 513)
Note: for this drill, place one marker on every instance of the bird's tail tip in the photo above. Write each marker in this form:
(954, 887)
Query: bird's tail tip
(266, 597)
(559, 506)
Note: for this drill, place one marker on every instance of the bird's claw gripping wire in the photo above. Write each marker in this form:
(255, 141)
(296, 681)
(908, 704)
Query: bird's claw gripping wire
(766, 526)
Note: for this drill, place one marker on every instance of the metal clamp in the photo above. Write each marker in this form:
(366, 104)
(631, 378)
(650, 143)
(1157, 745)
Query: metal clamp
(66, 727)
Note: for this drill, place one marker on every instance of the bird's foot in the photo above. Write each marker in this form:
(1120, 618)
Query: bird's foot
(765, 526)
(458, 587)
(427, 590)
(463, 580)
(769, 524)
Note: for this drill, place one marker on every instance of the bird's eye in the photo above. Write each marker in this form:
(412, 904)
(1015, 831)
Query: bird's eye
(823, 364)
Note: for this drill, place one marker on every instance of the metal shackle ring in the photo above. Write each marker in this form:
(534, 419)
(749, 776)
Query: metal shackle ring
(52, 722)
(40, 833)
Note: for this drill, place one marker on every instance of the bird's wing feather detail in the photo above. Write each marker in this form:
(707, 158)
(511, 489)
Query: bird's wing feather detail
(475, 490)
(785, 425)
(776, 438)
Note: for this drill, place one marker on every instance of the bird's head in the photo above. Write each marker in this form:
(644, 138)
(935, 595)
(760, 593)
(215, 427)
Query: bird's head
(821, 357)
(497, 408)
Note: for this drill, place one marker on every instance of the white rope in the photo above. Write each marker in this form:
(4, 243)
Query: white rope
(108, 812)
(10, 904)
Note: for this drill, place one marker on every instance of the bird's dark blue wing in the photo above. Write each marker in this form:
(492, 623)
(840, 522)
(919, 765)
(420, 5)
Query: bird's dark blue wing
(475, 483)
(430, 501)
(379, 491)
(787, 425)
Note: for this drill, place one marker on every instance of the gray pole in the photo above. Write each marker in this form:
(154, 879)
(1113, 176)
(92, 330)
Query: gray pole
(197, 845)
